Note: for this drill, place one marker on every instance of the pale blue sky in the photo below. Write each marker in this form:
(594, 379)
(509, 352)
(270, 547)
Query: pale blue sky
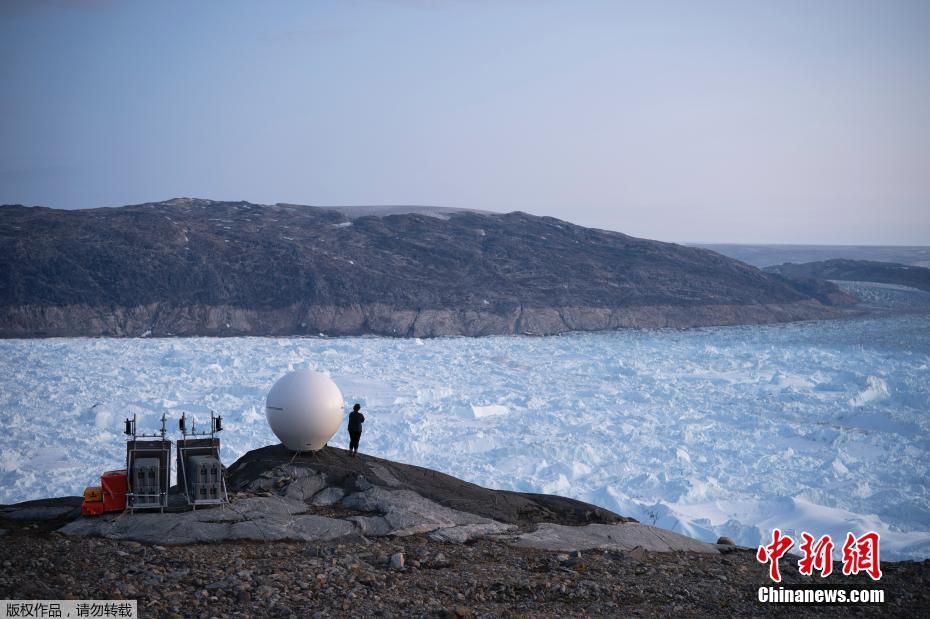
(741, 121)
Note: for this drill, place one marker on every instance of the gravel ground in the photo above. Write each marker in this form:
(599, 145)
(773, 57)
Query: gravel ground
(481, 579)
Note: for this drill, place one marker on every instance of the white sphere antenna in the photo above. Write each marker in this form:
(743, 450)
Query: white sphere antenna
(304, 409)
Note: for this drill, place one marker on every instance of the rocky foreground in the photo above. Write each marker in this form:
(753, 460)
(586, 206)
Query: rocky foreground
(198, 267)
(484, 578)
(368, 537)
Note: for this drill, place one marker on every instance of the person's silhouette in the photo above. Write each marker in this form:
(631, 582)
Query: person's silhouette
(356, 419)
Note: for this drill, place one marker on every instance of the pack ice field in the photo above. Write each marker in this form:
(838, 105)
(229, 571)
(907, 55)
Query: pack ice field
(820, 426)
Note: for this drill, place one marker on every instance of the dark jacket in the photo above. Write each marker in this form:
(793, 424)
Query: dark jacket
(356, 419)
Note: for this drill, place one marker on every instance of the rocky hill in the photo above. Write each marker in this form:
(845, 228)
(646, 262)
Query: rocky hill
(200, 267)
(858, 271)
(326, 534)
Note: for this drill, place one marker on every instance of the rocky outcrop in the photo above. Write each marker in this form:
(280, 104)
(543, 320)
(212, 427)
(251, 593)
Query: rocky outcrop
(197, 267)
(328, 495)
(247, 518)
(309, 475)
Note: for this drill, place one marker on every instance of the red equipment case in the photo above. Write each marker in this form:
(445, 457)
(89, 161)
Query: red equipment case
(114, 484)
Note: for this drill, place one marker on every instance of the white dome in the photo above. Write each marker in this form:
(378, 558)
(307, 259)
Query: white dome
(304, 409)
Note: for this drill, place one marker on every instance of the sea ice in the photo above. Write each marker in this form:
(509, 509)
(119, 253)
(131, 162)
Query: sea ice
(818, 426)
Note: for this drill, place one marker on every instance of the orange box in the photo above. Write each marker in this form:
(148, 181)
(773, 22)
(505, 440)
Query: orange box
(93, 494)
(91, 509)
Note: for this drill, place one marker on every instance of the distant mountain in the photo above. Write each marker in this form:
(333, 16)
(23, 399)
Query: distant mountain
(858, 271)
(771, 255)
(200, 267)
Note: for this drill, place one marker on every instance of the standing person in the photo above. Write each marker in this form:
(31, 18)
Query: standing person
(356, 419)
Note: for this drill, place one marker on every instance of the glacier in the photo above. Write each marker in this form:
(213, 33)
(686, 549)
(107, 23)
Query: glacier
(821, 427)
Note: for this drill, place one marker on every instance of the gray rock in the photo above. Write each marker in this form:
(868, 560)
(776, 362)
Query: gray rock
(357, 474)
(404, 512)
(294, 482)
(625, 536)
(328, 496)
(272, 518)
(257, 518)
(384, 475)
(726, 541)
(464, 533)
(304, 488)
(397, 561)
(362, 484)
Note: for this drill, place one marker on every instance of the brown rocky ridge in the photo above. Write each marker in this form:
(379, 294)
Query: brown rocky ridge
(198, 267)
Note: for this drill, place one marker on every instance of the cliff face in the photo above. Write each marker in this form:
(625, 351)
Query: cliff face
(198, 267)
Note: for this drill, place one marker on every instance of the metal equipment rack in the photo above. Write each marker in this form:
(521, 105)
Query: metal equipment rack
(148, 468)
(200, 469)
